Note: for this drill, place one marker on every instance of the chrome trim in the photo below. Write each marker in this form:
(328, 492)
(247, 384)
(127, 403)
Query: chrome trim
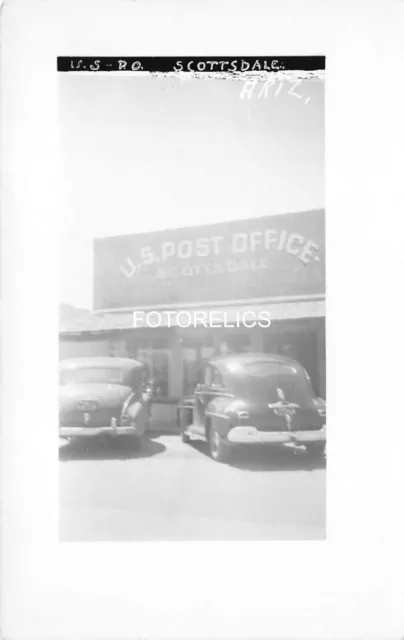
(216, 415)
(283, 407)
(94, 431)
(249, 434)
(307, 436)
(224, 394)
(87, 405)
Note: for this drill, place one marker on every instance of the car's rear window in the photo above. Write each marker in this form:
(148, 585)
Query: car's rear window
(263, 378)
(93, 375)
(264, 369)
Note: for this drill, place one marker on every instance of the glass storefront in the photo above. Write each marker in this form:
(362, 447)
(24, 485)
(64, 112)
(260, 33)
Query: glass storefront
(199, 345)
(174, 356)
(176, 374)
(156, 353)
(234, 341)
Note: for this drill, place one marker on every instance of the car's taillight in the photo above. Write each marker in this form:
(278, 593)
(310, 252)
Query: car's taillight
(323, 412)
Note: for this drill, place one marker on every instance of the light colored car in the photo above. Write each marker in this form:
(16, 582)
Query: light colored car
(104, 396)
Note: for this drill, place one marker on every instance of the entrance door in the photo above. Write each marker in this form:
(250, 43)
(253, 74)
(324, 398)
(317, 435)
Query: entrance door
(195, 351)
(156, 354)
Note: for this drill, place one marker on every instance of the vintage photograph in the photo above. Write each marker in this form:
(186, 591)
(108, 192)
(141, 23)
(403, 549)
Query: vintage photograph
(192, 341)
(200, 204)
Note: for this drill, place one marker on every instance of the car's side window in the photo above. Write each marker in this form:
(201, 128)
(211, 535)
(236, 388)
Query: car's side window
(212, 377)
(217, 380)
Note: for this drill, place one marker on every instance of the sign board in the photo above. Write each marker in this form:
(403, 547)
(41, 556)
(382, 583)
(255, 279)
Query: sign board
(259, 258)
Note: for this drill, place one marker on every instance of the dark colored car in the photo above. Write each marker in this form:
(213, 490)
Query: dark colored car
(256, 399)
(104, 396)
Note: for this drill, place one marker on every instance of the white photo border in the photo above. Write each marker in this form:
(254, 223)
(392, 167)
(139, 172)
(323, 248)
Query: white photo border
(349, 586)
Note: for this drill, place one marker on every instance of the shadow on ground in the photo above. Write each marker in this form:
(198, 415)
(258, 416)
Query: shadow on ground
(118, 449)
(274, 458)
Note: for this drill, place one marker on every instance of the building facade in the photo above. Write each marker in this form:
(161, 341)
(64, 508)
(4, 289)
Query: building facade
(274, 264)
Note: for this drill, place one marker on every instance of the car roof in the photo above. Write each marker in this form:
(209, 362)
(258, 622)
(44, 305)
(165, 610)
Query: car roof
(101, 362)
(248, 358)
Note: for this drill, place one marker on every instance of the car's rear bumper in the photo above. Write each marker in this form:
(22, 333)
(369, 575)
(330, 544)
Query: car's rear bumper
(247, 435)
(87, 432)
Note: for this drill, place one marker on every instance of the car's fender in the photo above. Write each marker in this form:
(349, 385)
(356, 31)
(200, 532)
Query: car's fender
(185, 410)
(134, 410)
(219, 410)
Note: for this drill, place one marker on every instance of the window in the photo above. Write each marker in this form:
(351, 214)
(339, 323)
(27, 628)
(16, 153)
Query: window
(156, 355)
(139, 378)
(212, 377)
(195, 351)
(235, 343)
(217, 380)
(263, 369)
(160, 372)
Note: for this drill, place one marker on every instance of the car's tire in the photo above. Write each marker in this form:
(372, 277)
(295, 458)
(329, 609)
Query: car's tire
(185, 438)
(183, 424)
(142, 421)
(316, 450)
(219, 450)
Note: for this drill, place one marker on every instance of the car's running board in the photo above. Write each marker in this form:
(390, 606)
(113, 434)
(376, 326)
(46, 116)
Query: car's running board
(194, 435)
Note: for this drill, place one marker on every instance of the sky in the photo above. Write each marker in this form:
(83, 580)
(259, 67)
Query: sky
(150, 153)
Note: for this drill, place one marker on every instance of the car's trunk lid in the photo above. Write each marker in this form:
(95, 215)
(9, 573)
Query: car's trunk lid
(91, 404)
(282, 404)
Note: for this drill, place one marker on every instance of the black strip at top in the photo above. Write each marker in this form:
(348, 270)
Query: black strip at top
(191, 64)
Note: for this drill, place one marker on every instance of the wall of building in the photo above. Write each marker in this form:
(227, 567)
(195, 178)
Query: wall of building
(83, 347)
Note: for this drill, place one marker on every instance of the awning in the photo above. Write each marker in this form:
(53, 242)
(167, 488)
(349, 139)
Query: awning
(296, 309)
(225, 315)
(220, 315)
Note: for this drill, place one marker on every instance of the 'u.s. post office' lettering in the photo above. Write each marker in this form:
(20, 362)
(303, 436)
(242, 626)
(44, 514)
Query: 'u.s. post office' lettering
(237, 244)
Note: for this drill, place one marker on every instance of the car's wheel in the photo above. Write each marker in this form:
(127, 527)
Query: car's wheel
(141, 423)
(185, 438)
(219, 450)
(183, 420)
(316, 450)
